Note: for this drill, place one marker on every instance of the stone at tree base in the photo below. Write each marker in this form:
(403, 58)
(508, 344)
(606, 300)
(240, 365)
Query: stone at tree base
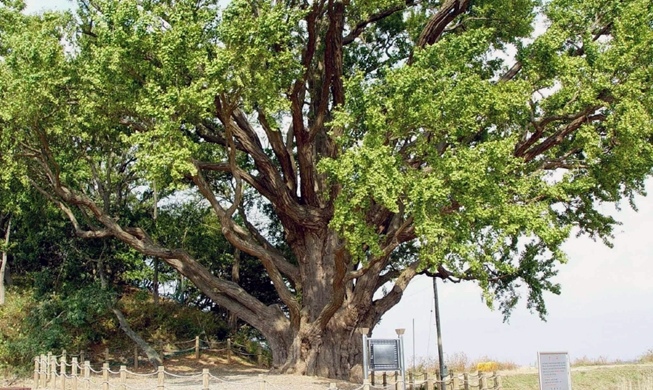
(356, 374)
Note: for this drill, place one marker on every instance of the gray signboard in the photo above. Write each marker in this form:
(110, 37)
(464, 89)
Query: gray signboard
(384, 355)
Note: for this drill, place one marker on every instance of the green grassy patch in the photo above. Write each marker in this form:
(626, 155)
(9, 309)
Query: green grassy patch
(639, 376)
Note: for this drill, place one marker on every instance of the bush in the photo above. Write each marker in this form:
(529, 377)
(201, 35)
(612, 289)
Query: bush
(647, 357)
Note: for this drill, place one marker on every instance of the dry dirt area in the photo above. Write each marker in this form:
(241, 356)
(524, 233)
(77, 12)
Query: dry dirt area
(186, 374)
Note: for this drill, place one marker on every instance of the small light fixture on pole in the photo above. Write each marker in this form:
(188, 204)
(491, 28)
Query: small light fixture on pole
(402, 363)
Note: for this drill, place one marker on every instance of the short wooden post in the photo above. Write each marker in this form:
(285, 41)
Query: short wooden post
(82, 356)
(63, 353)
(62, 370)
(385, 379)
(373, 378)
(48, 369)
(455, 381)
(106, 355)
(261, 382)
(498, 385)
(87, 375)
(197, 347)
(105, 376)
(429, 381)
(123, 377)
(482, 381)
(36, 372)
(411, 381)
(161, 378)
(466, 379)
(259, 356)
(399, 379)
(205, 379)
(53, 371)
(74, 373)
(136, 358)
(43, 366)
(228, 351)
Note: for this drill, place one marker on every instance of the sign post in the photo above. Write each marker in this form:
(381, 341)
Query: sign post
(554, 370)
(383, 355)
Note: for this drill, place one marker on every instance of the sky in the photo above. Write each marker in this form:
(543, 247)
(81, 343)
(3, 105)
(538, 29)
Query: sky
(605, 309)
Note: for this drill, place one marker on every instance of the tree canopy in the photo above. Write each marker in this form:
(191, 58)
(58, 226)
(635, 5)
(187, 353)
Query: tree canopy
(344, 144)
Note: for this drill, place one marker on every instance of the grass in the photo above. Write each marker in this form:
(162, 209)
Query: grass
(624, 377)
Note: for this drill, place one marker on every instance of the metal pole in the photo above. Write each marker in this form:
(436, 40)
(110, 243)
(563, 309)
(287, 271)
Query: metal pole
(402, 360)
(414, 360)
(437, 327)
(365, 368)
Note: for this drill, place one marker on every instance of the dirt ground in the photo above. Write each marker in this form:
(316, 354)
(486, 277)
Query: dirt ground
(184, 373)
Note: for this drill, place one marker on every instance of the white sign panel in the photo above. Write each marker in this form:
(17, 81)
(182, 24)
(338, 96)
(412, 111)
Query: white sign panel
(555, 373)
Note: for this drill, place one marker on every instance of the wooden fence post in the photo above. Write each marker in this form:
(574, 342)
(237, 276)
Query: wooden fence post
(62, 369)
(399, 379)
(455, 382)
(36, 372)
(385, 379)
(106, 355)
(161, 377)
(105, 376)
(259, 356)
(228, 351)
(411, 381)
(43, 367)
(197, 347)
(136, 357)
(429, 381)
(74, 372)
(482, 381)
(205, 379)
(48, 369)
(82, 356)
(53, 370)
(466, 379)
(87, 374)
(261, 382)
(497, 381)
(123, 377)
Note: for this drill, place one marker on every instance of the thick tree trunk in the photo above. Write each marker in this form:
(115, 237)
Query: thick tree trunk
(331, 348)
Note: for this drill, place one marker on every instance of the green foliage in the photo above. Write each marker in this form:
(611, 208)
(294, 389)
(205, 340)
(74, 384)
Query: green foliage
(34, 324)
(444, 153)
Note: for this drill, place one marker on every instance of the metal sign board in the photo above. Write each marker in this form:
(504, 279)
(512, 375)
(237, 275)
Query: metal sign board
(555, 372)
(384, 355)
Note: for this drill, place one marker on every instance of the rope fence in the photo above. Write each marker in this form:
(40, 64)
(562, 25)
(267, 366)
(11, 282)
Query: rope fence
(466, 381)
(168, 350)
(55, 372)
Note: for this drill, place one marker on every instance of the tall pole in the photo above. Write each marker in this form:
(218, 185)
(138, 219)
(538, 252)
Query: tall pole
(402, 355)
(363, 332)
(414, 361)
(437, 327)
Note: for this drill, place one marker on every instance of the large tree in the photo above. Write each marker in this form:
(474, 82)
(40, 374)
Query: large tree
(347, 145)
